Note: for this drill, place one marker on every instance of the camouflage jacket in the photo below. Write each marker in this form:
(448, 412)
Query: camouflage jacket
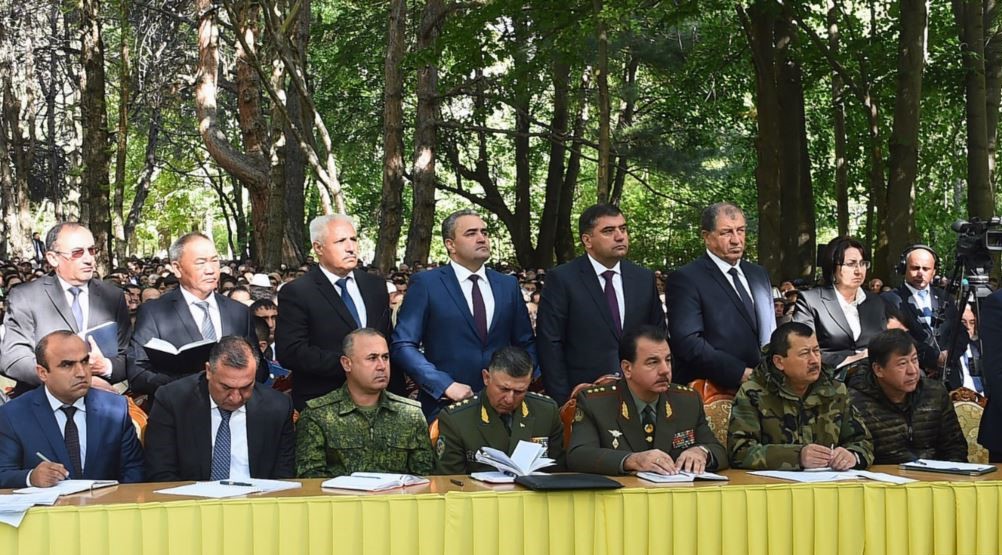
(470, 424)
(334, 437)
(770, 424)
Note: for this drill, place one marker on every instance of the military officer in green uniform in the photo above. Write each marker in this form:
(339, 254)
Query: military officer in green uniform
(500, 416)
(643, 422)
(792, 414)
(360, 426)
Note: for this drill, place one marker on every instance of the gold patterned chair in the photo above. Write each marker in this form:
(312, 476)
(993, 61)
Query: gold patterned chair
(717, 404)
(970, 406)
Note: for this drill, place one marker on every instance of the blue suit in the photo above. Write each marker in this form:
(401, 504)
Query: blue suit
(28, 426)
(435, 318)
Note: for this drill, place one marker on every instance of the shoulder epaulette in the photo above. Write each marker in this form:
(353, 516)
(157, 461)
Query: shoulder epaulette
(540, 397)
(462, 405)
(600, 390)
(682, 387)
(404, 400)
(323, 400)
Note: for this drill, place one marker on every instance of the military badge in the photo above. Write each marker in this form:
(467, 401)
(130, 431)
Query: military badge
(625, 411)
(525, 410)
(616, 434)
(483, 416)
(578, 415)
(667, 409)
(683, 439)
(440, 446)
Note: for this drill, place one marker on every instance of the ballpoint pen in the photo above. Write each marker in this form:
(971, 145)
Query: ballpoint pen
(233, 483)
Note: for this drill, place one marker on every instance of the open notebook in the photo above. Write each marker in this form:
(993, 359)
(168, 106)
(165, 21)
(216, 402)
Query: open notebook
(373, 481)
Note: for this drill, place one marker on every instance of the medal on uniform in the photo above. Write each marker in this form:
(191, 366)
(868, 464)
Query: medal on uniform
(483, 416)
(625, 411)
(578, 415)
(615, 437)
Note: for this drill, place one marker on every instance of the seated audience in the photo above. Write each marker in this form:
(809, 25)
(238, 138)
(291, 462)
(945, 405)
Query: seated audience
(500, 416)
(83, 432)
(643, 422)
(220, 423)
(908, 415)
(792, 414)
(360, 426)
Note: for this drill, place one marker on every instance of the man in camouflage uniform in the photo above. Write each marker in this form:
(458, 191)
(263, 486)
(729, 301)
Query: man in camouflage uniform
(500, 416)
(792, 414)
(360, 426)
(643, 422)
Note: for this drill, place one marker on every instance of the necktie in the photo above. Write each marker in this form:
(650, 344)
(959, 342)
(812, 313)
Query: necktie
(742, 292)
(221, 450)
(926, 308)
(208, 331)
(506, 419)
(75, 307)
(349, 303)
(479, 310)
(612, 301)
(72, 438)
(647, 417)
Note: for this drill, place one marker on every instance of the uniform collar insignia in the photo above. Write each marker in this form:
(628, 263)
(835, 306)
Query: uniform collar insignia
(483, 416)
(525, 410)
(625, 411)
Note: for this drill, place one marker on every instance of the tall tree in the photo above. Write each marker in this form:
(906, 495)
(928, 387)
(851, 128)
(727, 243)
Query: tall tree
(94, 119)
(971, 19)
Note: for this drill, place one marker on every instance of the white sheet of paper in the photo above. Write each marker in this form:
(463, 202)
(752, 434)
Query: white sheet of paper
(12, 519)
(69, 487)
(805, 477)
(212, 490)
(883, 477)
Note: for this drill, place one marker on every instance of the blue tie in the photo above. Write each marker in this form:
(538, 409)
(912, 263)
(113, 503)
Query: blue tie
(348, 302)
(75, 307)
(926, 309)
(221, 450)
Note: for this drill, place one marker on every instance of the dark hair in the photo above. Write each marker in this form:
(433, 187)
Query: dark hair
(590, 216)
(834, 256)
(779, 343)
(233, 351)
(889, 343)
(43, 345)
(511, 360)
(262, 303)
(449, 223)
(261, 329)
(130, 286)
(53, 234)
(628, 344)
(349, 340)
(708, 219)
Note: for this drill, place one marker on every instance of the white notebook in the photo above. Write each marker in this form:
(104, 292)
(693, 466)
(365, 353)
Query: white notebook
(373, 481)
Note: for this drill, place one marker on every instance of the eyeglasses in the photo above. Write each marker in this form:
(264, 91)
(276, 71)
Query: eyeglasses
(76, 254)
(864, 264)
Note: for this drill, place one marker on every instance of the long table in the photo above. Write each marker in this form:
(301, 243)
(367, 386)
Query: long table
(457, 515)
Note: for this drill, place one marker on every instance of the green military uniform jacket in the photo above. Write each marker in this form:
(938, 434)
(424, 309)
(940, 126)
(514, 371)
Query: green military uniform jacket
(770, 424)
(470, 424)
(334, 437)
(607, 428)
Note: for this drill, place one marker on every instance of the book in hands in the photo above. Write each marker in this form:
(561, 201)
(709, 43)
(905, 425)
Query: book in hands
(105, 336)
(373, 481)
(526, 459)
(180, 361)
(680, 477)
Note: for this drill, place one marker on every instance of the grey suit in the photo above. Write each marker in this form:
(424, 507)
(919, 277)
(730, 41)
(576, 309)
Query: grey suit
(820, 309)
(39, 308)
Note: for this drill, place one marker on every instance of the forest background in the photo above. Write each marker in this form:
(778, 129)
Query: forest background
(146, 119)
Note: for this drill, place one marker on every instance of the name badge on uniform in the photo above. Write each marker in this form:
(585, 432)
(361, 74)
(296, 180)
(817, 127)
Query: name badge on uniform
(683, 439)
(544, 441)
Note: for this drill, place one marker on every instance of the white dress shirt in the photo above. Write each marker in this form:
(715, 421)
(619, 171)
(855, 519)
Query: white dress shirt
(239, 454)
(463, 275)
(84, 300)
(851, 311)
(79, 418)
(356, 294)
(725, 267)
(198, 314)
(617, 284)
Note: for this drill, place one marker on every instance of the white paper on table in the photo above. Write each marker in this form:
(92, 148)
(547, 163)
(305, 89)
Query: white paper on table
(680, 477)
(13, 502)
(12, 519)
(947, 465)
(883, 477)
(268, 486)
(805, 477)
(212, 490)
(493, 477)
(69, 487)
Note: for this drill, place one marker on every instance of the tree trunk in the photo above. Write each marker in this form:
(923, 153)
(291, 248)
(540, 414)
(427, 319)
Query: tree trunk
(122, 147)
(838, 127)
(604, 107)
(296, 162)
(548, 222)
(149, 174)
(94, 119)
(566, 239)
(50, 89)
(521, 230)
(391, 202)
(624, 123)
(903, 151)
(993, 81)
(425, 138)
(970, 23)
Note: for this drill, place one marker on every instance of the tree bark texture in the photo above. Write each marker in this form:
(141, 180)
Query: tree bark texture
(94, 119)
(604, 108)
(970, 24)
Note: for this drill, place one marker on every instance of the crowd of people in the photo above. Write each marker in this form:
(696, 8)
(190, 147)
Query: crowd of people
(331, 368)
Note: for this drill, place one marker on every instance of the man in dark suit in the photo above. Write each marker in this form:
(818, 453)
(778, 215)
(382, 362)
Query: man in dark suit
(318, 309)
(990, 333)
(720, 310)
(84, 433)
(189, 313)
(454, 318)
(929, 313)
(221, 424)
(501, 416)
(643, 422)
(590, 301)
(38, 248)
(68, 300)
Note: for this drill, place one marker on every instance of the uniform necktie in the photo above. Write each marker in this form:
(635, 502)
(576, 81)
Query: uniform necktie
(647, 417)
(742, 292)
(208, 331)
(349, 303)
(506, 419)
(221, 450)
(479, 310)
(72, 438)
(612, 301)
(76, 308)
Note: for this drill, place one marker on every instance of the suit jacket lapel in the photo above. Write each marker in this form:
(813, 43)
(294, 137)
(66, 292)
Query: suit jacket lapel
(871, 314)
(589, 280)
(201, 421)
(47, 423)
(254, 445)
(632, 282)
(451, 283)
(227, 318)
(58, 298)
(369, 294)
(185, 317)
(830, 300)
(728, 288)
(628, 419)
(95, 414)
(501, 304)
(332, 295)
